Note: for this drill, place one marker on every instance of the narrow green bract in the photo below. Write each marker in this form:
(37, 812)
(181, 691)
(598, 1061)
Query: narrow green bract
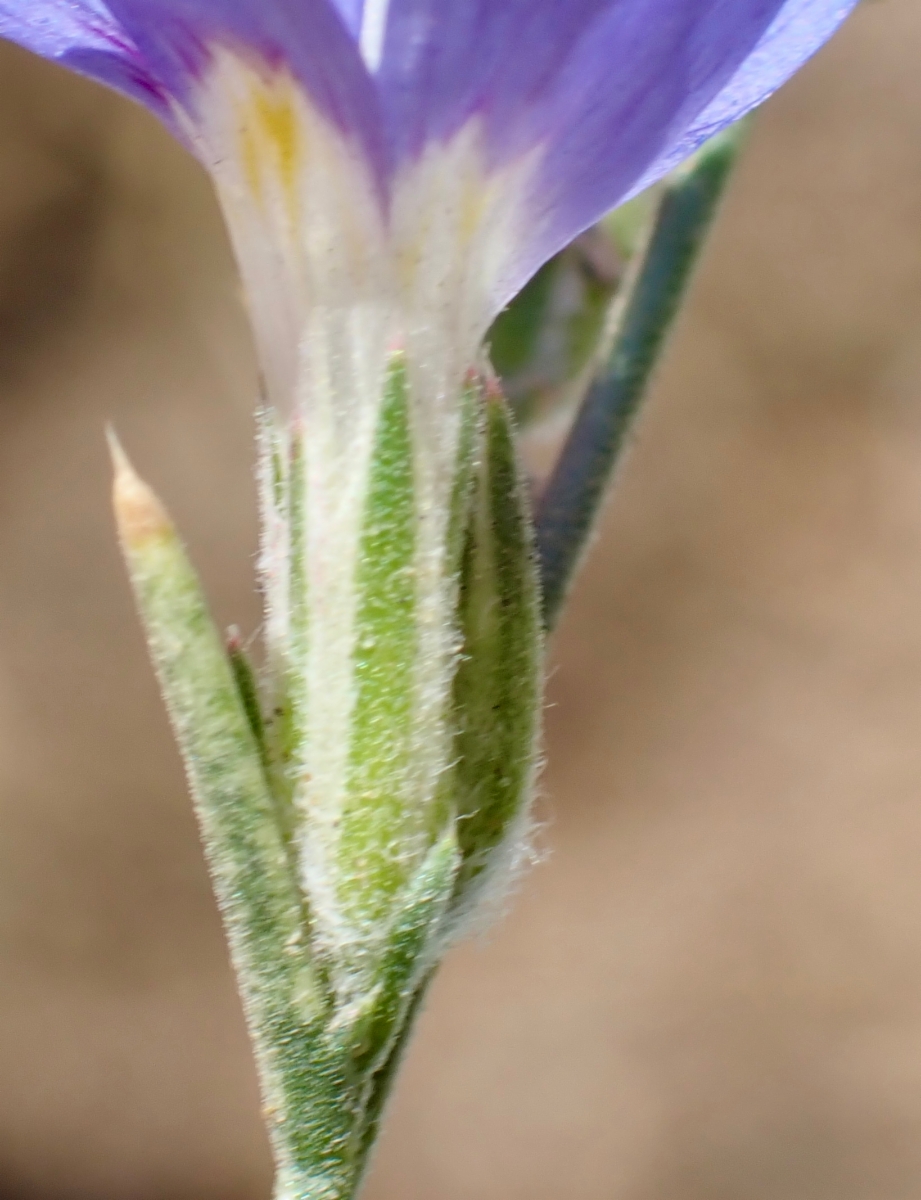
(251, 870)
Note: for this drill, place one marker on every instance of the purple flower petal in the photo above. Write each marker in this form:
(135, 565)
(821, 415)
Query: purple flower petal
(54, 29)
(721, 79)
(157, 50)
(616, 91)
(800, 28)
(351, 12)
(84, 36)
(601, 96)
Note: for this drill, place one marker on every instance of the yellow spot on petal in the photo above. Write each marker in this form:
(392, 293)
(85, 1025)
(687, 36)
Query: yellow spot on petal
(272, 141)
(279, 124)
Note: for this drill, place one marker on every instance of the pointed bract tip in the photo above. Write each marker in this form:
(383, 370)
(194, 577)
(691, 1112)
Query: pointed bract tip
(138, 511)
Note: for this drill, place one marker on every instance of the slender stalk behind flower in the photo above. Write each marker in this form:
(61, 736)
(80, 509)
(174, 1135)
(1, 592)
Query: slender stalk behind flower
(571, 501)
(392, 172)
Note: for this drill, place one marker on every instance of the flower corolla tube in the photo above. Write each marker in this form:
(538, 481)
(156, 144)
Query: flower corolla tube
(397, 169)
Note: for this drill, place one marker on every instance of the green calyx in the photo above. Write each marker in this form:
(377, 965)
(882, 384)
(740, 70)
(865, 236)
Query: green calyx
(341, 890)
(498, 681)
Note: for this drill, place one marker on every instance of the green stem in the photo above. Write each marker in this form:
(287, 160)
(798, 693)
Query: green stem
(572, 500)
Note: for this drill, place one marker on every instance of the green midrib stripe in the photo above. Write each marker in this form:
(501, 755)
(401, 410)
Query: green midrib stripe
(377, 815)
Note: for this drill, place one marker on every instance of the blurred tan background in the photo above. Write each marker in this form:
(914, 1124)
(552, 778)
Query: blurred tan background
(711, 990)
